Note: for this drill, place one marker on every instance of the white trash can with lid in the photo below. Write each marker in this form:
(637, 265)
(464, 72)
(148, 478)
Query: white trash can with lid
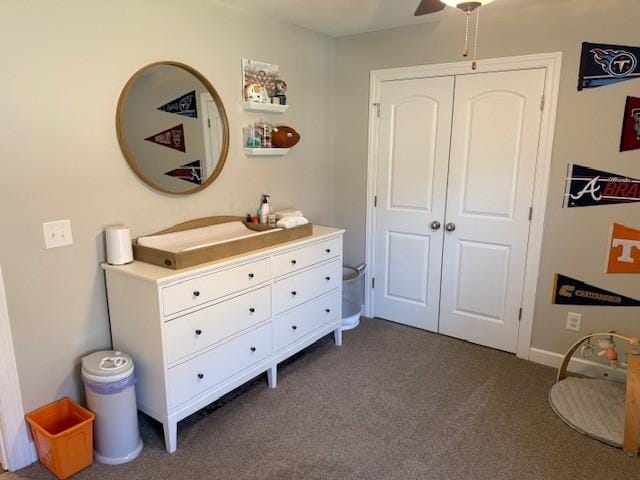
(109, 381)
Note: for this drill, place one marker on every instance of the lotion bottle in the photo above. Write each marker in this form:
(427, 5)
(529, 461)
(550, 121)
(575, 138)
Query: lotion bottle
(265, 209)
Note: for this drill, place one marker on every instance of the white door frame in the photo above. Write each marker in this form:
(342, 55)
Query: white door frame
(552, 63)
(14, 439)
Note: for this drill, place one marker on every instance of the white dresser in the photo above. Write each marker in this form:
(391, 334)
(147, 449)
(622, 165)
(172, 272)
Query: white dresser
(198, 333)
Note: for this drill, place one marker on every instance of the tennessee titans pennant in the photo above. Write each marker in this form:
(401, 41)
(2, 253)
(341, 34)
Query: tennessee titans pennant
(603, 64)
(185, 105)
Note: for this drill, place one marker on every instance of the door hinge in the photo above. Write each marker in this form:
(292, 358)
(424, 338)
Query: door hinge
(373, 282)
(530, 213)
(520, 314)
(209, 122)
(542, 103)
(377, 107)
(375, 200)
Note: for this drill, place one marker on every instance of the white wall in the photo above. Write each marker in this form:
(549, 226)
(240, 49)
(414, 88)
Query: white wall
(587, 132)
(64, 65)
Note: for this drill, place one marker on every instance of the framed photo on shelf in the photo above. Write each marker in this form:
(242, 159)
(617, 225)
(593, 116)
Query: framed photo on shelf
(264, 74)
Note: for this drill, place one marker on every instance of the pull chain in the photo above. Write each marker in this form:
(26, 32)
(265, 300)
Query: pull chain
(465, 52)
(474, 64)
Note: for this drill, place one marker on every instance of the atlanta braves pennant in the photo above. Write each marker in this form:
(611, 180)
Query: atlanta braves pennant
(624, 250)
(184, 105)
(631, 125)
(603, 64)
(190, 172)
(587, 187)
(172, 137)
(569, 291)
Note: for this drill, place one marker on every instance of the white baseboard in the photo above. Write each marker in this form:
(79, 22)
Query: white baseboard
(577, 365)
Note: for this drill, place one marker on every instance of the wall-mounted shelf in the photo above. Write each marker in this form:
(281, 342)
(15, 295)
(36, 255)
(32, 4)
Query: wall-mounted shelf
(265, 152)
(263, 107)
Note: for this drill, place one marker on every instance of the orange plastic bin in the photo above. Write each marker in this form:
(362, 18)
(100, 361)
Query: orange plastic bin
(63, 433)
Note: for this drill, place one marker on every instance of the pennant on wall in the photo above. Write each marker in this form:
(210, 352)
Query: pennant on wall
(603, 64)
(587, 186)
(624, 250)
(631, 125)
(569, 291)
(185, 105)
(172, 137)
(190, 172)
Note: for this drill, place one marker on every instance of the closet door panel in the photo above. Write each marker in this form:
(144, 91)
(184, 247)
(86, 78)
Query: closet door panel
(413, 151)
(494, 145)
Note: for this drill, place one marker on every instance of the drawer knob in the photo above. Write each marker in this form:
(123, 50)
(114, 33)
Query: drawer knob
(295, 327)
(251, 275)
(294, 293)
(293, 262)
(328, 250)
(328, 310)
(252, 310)
(253, 349)
(198, 332)
(201, 376)
(196, 293)
(327, 278)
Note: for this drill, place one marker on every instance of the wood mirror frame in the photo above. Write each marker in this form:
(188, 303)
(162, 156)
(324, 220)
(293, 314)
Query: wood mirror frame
(224, 149)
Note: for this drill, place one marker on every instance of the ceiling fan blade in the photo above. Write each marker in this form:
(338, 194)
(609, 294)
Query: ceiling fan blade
(429, 6)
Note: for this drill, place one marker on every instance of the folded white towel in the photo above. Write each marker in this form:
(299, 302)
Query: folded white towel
(288, 212)
(289, 222)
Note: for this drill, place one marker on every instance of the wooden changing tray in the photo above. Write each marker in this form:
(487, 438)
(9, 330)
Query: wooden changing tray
(197, 256)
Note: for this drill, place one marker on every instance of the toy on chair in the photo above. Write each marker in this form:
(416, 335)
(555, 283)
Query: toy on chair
(601, 409)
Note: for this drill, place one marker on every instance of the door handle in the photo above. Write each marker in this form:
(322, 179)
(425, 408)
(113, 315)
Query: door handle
(450, 227)
(435, 225)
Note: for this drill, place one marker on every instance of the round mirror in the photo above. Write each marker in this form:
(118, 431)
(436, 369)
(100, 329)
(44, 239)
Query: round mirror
(172, 128)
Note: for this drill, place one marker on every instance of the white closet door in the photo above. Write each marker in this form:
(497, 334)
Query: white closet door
(494, 145)
(413, 154)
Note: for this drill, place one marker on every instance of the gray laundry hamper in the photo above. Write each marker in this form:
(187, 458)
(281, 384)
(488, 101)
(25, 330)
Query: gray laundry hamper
(352, 295)
(109, 381)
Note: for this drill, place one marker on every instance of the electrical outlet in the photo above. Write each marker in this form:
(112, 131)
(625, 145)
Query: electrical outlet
(574, 321)
(57, 234)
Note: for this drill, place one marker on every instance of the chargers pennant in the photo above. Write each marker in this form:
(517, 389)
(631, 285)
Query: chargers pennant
(185, 105)
(569, 291)
(631, 125)
(623, 250)
(190, 172)
(172, 137)
(587, 187)
(603, 64)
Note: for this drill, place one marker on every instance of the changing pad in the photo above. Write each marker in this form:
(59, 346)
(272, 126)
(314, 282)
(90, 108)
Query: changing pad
(187, 240)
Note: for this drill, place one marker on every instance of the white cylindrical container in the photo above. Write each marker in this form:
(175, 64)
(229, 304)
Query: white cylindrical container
(118, 240)
(109, 380)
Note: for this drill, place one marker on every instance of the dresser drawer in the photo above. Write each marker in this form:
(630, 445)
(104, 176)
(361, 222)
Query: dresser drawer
(297, 323)
(198, 330)
(207, 370)
(197, 291)
(295, 290)
(306, 256)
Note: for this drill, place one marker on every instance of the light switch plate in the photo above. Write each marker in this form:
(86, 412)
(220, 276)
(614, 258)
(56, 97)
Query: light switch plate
(574, 321)
(57, 234)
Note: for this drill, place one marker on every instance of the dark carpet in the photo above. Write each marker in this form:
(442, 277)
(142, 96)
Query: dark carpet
(392, 403)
